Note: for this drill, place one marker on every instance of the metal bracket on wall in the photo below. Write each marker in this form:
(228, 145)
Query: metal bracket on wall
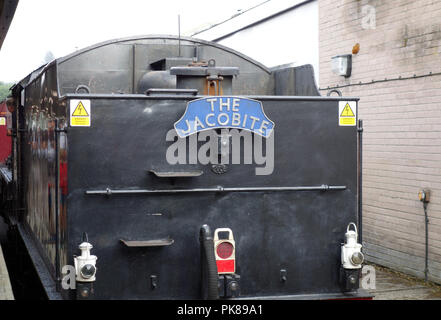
(147, 243)
(176, 174)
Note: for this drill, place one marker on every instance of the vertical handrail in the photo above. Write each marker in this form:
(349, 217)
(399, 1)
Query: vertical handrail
(360, 180)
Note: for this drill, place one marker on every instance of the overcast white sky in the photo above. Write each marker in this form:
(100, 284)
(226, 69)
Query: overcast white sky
(62, 26)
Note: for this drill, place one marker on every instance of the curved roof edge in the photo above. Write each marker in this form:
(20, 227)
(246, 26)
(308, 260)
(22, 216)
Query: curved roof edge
(7, 11)
(168, 37)
(33, 75)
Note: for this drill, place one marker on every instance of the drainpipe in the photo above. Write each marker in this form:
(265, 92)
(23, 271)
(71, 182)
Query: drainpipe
(424, 197)
(426, 266)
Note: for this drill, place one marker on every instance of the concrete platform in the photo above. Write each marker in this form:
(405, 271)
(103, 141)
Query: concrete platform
(5, 284)
(393, 285)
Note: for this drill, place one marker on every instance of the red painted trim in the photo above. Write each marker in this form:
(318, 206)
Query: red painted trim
(5, 140)
(225, 266)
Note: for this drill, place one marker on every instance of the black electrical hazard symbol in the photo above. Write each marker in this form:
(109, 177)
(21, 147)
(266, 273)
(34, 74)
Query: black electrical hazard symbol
(80, 111)
(347, 111)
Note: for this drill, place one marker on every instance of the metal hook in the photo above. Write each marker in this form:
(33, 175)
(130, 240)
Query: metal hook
(82, 87)
(334, 90)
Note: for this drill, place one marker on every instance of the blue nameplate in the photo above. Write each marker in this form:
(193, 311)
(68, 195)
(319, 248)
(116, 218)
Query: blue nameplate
(224, 112)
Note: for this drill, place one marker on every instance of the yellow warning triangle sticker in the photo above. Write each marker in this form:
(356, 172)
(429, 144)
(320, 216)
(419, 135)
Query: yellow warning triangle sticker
(347, 111)
(80, 111)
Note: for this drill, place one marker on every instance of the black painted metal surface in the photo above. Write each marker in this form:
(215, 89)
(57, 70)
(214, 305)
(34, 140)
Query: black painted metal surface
(112, 179)
(299, 231)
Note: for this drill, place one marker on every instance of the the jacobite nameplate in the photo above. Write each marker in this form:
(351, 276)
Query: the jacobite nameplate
(224, 112)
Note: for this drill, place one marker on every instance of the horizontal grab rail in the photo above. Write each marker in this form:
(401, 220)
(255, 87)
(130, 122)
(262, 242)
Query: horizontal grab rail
(161, 91)
(109, 191)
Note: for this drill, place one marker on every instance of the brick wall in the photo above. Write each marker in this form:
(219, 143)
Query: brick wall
(402, 120)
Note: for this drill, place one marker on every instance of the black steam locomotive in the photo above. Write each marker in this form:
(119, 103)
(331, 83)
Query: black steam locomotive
(161, 167)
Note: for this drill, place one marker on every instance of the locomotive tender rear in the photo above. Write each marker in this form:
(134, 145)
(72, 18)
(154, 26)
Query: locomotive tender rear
(102, 160)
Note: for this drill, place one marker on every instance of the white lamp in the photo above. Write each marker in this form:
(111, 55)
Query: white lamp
(342, 65)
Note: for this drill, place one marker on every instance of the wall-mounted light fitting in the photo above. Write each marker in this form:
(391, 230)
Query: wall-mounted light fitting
(342, 65)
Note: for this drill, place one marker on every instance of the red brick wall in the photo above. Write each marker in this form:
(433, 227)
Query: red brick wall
(402, 120)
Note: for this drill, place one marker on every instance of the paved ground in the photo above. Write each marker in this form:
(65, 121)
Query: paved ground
(5, 284)
(393, 285)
